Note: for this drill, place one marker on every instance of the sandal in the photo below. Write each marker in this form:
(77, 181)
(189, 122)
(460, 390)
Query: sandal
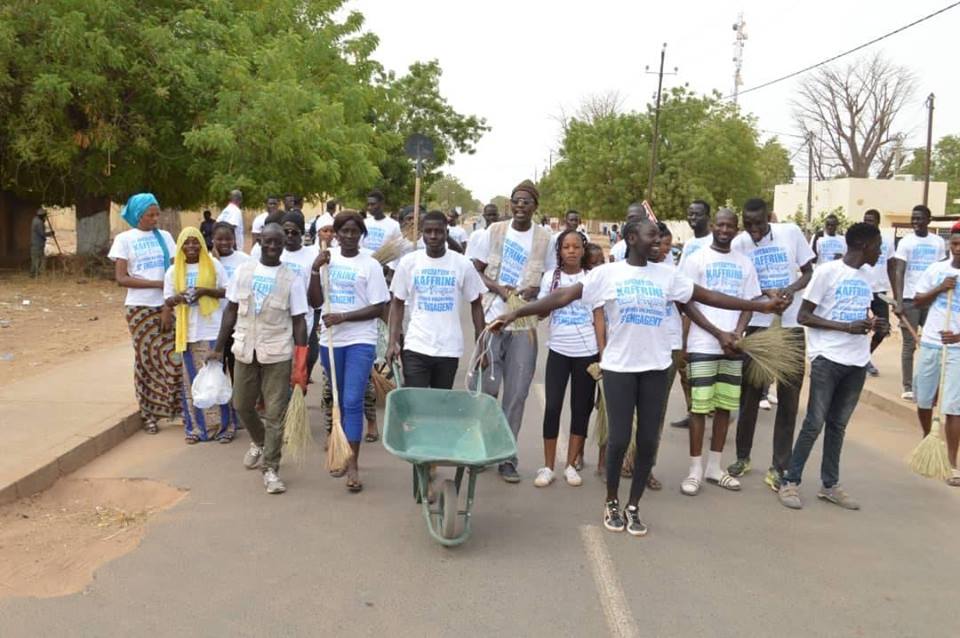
(690, 486)
(372, 437)
(726, 481)
(226, 438)
(653, 483)
(151, 427)
(190, 439)
(353, 481)
(954, 481)
(338, 473)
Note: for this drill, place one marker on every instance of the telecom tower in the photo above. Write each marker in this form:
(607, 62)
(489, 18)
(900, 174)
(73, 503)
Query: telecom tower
(739, 28)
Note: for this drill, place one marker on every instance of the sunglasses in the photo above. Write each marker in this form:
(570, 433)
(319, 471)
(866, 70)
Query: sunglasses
(520, 201)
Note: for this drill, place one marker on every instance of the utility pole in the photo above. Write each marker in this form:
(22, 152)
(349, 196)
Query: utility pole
(739, 28)
(926, 170)
(656, 121)
(809, 176)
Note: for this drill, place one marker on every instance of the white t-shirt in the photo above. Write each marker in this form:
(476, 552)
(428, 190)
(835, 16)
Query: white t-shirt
(379, 232)
(513, 265)
(233, 261)
(619, 251)
(937, 315)
(144, 261)
(732, 274)
(693, 245)
(233, 216)
(355, 283)
(571, 327)
(433, 290)
(199, 328)
(458, 234)
(301, 262)
(841, 294)
(879, 278)
(918, 253)
(635, 300)
(777, 259)
(829, 248)
(258, 223)
(476, 237)
(264, 279)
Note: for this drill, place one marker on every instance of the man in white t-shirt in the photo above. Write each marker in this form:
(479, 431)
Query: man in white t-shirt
(433, 281)
(936, 289)
(830, 245)
(455, 231)
(715, 373)
(380, 228)
(698, 218)
(783, 261)
(914, 254)
(233, 215)
(272, 212)
(881, 285)
(511, 259)
(836, 313)
(491, 215)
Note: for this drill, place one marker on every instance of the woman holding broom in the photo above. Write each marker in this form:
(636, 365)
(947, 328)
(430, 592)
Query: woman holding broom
(142, 256)
(193, 288)
(356, 295)
(635, 294)
(937, 288)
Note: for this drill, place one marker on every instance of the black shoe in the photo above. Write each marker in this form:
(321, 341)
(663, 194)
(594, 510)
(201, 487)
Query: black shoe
(635, 527)
(682, 423)
(508, 473)
(612, 517)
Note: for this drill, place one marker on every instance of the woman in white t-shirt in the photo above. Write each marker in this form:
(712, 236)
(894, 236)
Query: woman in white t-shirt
(142, 256)
(354, 295)
(636, 354)
(193, 288)
(572, 349)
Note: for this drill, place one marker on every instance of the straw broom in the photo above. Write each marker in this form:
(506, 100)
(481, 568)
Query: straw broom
(930, 458)
(777, 356)
(338, 447)
(391, 250)
(382, 385)
(600, 421)
(297, 437)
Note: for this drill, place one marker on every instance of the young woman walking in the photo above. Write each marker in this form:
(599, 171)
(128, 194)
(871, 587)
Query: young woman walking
(142, 256)
(634, 294)
(572, 349)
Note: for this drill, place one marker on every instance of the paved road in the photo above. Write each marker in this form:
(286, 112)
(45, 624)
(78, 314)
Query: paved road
(230, 560)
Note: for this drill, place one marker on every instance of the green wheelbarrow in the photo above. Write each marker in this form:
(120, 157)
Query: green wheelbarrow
(446, 428)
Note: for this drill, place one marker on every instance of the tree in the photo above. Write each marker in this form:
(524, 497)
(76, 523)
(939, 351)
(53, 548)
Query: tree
(449, 192)
(944, 167)
(853, 109)
(774, 167)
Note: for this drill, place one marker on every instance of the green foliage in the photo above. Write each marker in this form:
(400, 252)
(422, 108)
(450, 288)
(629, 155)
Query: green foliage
(774, 167)
(944, 167)
(707, 150)
(817, 223)
(448, 192)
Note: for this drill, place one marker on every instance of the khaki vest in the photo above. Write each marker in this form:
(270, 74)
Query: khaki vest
(538, 254)
(269, 334)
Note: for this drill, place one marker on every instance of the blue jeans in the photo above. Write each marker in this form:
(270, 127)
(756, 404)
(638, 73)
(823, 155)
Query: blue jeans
(834, 393)
(354, 363)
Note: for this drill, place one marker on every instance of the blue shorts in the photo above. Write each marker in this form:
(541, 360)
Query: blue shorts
(926, 379)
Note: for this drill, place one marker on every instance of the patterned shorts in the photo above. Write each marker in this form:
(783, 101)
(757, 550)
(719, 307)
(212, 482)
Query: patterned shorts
(714, 382)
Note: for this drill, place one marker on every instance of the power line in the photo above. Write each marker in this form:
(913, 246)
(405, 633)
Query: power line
(848, 52)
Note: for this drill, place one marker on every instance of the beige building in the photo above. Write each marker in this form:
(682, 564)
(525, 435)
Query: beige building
(894, 198)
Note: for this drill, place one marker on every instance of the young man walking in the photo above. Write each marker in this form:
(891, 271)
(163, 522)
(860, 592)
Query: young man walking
(836, 313)
(830, 245)
(233, 215)
(914, 254)
(511, 258)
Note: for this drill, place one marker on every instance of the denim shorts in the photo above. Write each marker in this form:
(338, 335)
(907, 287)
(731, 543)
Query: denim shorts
(926, 378)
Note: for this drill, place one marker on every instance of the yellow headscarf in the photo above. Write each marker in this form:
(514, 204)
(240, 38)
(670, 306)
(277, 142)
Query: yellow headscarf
(206, 278)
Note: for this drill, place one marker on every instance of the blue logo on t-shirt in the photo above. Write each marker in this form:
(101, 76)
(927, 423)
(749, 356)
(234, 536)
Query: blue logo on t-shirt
(641, 302)
(343, 282)
(512, 264)
(148, 255)
(922, 256)
(262, 285)
(773, 267)
(374, 238)
(435, 289)
(853, 297)
(725, 277)
(830, 247)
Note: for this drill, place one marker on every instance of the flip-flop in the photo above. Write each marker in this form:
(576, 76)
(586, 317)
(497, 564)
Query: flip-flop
(191, 440)
(953, 481)
(353, 482)
(151, 427)
(338, 473)
(726, 481)
(690, 486)
(371, 438)
(653, 483)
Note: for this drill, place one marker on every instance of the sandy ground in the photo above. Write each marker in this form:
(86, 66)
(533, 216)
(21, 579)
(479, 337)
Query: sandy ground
(45, 321)
(51, 544)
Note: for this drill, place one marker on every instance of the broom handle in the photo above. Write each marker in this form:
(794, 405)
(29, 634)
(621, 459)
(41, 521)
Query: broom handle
(326, 310)
(943, 357)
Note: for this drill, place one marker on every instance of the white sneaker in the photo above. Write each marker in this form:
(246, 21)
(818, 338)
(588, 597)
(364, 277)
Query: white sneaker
(907, 395)
(273, 483)
(764, 404)
(572, 476)
(544, 477)
(252, 458)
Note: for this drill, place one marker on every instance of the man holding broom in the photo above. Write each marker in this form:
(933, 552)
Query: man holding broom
(511, 259)
(836, 313)
(266, 315)
(937, 290)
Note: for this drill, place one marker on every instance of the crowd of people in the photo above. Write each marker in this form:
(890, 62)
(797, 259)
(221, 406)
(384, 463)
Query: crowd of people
(631, 323)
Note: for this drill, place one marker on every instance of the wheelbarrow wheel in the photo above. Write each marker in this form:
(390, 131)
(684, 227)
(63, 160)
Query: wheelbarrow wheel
(449, 506)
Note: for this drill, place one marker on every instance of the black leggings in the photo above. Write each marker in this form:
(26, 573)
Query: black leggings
(629, 393)
(560, 368)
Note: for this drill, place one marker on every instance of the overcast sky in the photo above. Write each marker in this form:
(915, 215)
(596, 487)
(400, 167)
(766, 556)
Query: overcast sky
(518, 63)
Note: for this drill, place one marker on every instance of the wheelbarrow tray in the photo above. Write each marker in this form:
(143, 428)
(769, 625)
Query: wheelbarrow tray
(446, 427)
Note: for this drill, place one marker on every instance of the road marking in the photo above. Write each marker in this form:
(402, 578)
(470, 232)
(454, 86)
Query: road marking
(619, 619)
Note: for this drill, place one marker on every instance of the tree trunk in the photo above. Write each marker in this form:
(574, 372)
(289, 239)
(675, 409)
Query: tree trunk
(16, 214)
(93, 225)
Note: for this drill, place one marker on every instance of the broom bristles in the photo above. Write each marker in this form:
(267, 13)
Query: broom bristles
(382, 386)
(600, 422)
(297, 437)
(391, 250)
(777, 356)
(929, 458)
(338, 447)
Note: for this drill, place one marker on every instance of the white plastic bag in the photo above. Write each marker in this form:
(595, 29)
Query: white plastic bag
(211, 386)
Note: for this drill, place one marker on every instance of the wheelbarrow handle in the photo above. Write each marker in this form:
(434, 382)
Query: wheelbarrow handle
(397, 372)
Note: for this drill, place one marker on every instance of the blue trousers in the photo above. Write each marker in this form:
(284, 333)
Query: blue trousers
(353, 366)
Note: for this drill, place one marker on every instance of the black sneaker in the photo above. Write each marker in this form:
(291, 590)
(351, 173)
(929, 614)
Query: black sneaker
(635, 527)
(509, 473)
(612, 518)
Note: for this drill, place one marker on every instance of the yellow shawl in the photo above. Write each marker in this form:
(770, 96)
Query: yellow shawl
(206, 278)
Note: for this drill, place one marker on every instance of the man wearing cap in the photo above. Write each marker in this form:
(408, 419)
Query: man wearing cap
(511, 258)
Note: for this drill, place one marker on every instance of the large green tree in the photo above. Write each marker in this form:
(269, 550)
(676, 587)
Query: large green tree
(448, 192)
(944, 167)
